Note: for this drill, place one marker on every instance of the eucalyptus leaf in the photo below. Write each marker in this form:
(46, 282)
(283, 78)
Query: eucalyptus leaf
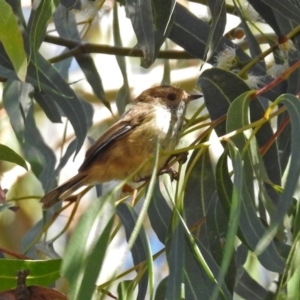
(87, 247)
(42, 272)
(175, 250)
(217, 26)
(7, 154)
(159, 214)
(12, 40)
(140, 250)
(141, 16)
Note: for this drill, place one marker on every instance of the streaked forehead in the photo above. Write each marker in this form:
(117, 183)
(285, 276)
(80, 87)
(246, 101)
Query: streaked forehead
(162, 90)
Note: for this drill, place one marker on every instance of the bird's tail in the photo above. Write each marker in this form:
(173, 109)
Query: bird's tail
(63, 191)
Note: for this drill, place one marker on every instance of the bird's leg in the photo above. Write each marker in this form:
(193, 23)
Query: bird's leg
(180, 157)
(167, 170)
(171, 171)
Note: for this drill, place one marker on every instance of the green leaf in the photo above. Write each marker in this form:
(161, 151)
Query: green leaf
(163, 18)
(159, 214)
(140, 250)
(38, 23)
(141, 16)
(196, 272)
(126, 290)
(294, 272)
(161, 289)
(48, 105)
(123, 95)
(37, 152)
(220, 88)
(217, 227)
(42, 272)
(250, 225)
(86, 249)
(175, 248)
(199, 188)
(248, 288)
(252, 42)
(44, 76)
(288, 9)
(217, 25)
(234, 217)
(14, 91)
(8, 154)
(66, 26)
(12, 40)
(293, 107)
(267, 14)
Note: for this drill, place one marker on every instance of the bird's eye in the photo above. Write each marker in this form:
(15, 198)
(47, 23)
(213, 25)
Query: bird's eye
(171, 96)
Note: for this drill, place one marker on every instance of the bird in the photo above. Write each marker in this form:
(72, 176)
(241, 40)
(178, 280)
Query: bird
(155, 116)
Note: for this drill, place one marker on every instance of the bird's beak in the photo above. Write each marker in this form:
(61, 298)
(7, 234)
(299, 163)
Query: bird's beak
(194, 97)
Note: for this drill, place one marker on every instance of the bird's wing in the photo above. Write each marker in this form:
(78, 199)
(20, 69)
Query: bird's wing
(115, 132)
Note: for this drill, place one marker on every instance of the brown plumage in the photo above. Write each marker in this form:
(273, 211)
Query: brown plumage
(156, 114)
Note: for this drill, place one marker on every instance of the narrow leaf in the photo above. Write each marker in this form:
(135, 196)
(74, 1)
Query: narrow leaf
(140, 250)
(159, 214)
(8, 154)
(86, 249)
(286, 8)
(217, 26)
(293, 106)
(42, 272)
(141, 16)
(175, 249)
(12, 40)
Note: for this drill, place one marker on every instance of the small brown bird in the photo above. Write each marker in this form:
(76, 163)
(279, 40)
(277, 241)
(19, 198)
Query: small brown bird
(156, 115)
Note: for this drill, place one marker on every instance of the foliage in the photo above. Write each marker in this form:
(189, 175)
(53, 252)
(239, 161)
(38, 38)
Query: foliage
(231, 222)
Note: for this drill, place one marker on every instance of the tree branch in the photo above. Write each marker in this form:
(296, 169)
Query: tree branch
(77, 48)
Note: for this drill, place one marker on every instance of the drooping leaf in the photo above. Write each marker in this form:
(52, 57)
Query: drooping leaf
(140, 14)
(163, 18)
(38, 154)
(175, 248)
(220, 88)
(66, 26)
(43, 75)
(64, 159)
(217, 227)
(159, 214)
(288, 9)
(126, 290)
(48, 105)
(252, 42)
(87, 246)
(200, 187)
(195, 272)
(7, 154)
(12, 40)
(218, 94)
(250, 224)
(293, 106)
(161, 289)
(217, 25)
(42, 272)
(12, 94)
(267, 13)
(248, 288)
(140, 250)
(38, 22)
(123, 95)
(234, 216)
